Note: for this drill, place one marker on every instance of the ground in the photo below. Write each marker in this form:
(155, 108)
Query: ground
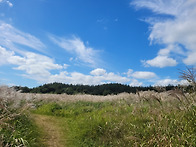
(53, 134)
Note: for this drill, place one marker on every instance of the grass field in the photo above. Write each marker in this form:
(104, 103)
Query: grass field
(142, 119)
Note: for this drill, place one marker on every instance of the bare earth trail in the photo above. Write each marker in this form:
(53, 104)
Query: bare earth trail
(52, 134)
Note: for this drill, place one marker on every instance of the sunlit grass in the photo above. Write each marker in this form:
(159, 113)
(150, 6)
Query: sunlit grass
(119, 124)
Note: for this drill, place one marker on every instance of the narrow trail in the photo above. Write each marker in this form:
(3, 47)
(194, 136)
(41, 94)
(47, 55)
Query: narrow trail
(52, 133)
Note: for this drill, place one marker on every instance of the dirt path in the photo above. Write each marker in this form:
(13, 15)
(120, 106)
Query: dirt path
(52, 133)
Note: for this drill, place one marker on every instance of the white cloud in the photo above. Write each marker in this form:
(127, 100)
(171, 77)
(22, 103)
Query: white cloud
(143, 75)
(140, 74)
(160, 61)
(166, 82)
(177, 31)
(38, 67)
(5, 55)
(10, 37)
(171, 48)
(191, 59)
(35, 65)
(129, 73)
(98, 72)
(78, 48)
(97, 76)
(135, 82)
(116, 78)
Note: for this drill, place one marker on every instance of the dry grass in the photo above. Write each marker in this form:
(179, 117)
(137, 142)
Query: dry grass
(16, 129)
(6, 116)
(140, 113)
(31, 98)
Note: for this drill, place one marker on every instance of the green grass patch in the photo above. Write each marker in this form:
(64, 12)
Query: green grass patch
(119, 124)
(19, 131)
(16, 127)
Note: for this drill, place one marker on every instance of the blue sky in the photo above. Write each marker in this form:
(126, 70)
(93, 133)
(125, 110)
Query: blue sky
(134, 42)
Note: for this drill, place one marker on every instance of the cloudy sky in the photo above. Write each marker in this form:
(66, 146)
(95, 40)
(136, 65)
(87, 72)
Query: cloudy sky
(134, 42)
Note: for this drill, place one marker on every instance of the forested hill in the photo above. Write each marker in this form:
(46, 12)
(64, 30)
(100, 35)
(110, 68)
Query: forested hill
(105, 89)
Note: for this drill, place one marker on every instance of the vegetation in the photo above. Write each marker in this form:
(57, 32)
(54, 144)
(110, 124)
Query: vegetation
(105, 89)
(142, 119)
(16, 127)
(146, 118)
(119, 123)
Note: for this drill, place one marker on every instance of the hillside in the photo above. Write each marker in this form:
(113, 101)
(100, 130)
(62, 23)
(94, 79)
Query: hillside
(104, 89)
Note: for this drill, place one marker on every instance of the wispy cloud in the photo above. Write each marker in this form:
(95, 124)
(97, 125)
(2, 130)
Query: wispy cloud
(7, 2)
(170, 7)
(10, 37)
(178, 31)
(77, 47)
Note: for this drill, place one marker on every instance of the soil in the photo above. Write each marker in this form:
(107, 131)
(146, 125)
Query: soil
(52, 133)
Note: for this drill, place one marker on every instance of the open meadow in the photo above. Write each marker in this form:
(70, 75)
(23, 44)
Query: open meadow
(143, 119)
(98, 73)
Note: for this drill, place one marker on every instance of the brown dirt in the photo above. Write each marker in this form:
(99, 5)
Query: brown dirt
(52, 133)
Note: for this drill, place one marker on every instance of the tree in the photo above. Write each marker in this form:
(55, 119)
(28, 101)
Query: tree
(25, 89)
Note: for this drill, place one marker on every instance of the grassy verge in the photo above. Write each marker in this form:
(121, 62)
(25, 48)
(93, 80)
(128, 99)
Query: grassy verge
(121, 124)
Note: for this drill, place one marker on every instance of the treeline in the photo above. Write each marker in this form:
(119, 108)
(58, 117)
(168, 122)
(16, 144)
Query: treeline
(104, 89)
